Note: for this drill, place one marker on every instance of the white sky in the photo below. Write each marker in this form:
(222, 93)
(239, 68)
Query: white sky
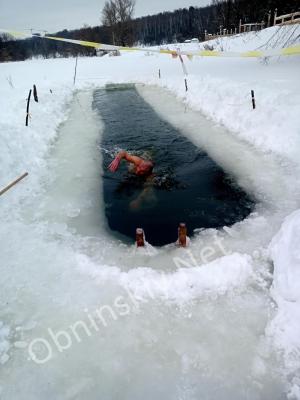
(54, 15)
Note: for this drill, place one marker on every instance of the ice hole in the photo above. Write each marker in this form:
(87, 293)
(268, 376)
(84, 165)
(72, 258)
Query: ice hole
(186, 186)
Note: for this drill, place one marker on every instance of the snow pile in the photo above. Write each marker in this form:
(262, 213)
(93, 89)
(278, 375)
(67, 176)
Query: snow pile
(25, 148)
(221, 88)
(285, 327)
(285, 253)
(44, 119)
(214, 279)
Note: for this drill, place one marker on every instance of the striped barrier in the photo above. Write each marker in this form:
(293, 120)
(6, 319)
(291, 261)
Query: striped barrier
(288, 51)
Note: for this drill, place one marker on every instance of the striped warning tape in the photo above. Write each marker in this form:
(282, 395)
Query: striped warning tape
(288, 51)
(202, 53)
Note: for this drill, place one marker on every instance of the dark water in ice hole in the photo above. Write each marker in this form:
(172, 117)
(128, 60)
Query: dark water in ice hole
(189, 186)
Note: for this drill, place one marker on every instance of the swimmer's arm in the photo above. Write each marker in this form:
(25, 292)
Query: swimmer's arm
(132, 159)
(114, 165)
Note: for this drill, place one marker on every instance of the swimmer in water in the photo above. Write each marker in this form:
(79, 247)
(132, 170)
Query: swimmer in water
(140, 167)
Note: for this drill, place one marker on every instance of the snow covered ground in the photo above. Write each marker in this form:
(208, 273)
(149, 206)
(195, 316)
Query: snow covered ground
(272, 38)
(56, 266)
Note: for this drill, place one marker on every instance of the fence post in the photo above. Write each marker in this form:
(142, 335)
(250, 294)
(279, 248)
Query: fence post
(35, 95)
(159, 74)
(253, 99)
(27, 109)
(269, 18)
(240, 26)
(275, 16)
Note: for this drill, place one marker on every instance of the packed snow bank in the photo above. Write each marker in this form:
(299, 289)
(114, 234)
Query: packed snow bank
(214, 279)
(26, 148)
(285, 253)
(221, 88)
(285, 327)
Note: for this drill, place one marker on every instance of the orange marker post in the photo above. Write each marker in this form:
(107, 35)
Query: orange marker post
(182, 235)
(140, 237)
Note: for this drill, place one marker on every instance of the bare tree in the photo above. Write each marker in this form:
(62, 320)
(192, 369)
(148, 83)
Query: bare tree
(109, 13)
(6, 37)
(125, 9)
(117, 14)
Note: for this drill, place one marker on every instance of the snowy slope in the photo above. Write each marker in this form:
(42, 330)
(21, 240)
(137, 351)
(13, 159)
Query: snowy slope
(275, 37)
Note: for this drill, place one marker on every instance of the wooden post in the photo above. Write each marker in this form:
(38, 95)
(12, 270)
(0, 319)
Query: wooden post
(182, 235)
(275, 16)
(186, 85)
(240, 26)
(269, 18)
(253, 99)
(140, 237)
(13, 183)
(159, 74)
(27, 109)
(35, 95)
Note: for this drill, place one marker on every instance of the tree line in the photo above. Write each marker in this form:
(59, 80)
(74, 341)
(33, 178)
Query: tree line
(184, 24)
(165, 27)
